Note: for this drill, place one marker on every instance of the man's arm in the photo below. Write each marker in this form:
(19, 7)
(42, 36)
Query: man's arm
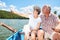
(57, 21)
(57, 28)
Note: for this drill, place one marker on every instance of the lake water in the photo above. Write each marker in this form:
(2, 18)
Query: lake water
(15, 23)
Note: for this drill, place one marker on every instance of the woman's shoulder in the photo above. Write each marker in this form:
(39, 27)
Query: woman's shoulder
(39, 18)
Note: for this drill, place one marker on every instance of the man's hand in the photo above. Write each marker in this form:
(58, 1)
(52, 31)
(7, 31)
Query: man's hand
(56, 30)
(53, 29)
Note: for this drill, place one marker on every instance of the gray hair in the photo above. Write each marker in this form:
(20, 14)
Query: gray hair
(37, 8)
(47, 6)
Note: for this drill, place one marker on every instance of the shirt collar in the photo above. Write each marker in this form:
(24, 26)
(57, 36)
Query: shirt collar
(49, 14)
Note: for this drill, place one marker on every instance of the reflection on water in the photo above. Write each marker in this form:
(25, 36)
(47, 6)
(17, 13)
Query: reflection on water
(15, 23)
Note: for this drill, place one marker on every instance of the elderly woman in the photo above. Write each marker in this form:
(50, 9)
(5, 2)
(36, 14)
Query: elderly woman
(34, 22)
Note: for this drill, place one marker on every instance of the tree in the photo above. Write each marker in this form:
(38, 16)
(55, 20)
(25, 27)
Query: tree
(55, 12)
(59, 16)
(9, 15)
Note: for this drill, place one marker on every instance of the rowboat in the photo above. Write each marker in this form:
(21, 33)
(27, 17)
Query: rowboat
(17, 36)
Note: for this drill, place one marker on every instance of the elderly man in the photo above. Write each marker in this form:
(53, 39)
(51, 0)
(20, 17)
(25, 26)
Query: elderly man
(49, 21)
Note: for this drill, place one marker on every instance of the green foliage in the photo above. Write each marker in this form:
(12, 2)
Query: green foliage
(9, 15)
(55, 12)
(59, 16)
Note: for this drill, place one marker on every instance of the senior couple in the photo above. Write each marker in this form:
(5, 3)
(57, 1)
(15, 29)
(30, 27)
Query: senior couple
(49, 22)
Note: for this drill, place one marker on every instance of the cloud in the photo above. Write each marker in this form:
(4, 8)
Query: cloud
(57, 9)
(6, 9)
(27, 9)
(13, 7)
(2, 4)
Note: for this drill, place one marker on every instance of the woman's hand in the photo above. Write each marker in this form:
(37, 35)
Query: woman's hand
(35, 29)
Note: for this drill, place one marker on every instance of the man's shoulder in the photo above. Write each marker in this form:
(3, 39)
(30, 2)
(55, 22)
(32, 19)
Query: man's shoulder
(53, 15)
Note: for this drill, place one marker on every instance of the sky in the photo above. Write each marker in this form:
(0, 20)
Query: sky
(26, 6)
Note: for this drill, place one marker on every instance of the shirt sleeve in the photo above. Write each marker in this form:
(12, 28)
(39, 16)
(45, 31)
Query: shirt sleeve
(56, 20)
(39, 20)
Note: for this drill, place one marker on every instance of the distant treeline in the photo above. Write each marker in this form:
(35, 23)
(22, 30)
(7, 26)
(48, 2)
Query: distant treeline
(9, 15)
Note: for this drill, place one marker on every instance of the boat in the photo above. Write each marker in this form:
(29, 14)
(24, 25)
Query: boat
(17, 36)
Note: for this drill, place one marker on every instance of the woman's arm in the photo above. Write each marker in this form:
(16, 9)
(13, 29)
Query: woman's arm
(20, 14)
(38, 26)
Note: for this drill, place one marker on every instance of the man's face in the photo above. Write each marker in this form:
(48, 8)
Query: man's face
(46, 10)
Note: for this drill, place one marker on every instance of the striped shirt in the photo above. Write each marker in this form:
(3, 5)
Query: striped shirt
(49, 23)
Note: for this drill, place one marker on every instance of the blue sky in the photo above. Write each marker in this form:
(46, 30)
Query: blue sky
(26, 4)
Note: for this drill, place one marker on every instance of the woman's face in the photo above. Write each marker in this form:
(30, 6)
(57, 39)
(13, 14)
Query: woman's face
(35, 13)
(46, 10)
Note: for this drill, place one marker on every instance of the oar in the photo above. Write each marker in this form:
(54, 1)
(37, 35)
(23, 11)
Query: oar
(8, 27)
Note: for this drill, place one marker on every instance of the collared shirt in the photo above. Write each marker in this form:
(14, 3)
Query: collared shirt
(49, 23)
